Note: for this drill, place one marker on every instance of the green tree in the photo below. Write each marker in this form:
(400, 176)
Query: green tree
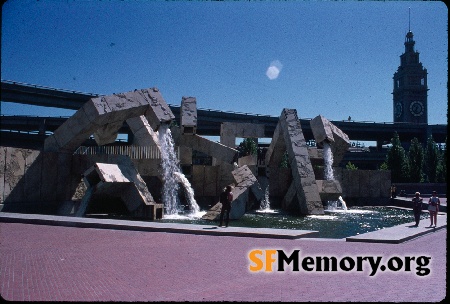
(397, 161)
(431, 161)
(384, 166)
(444, 161)
(415, 159)
(351, 166)
(441, 170)
(247, 147)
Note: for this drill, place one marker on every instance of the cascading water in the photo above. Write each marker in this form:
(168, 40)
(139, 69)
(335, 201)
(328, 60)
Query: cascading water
(343, 204)
(328, 160)
(189, 192)
(329, 175)
(172, 176)
(265, 204)
(333, 206)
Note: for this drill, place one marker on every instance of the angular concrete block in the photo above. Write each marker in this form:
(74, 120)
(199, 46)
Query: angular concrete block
(214, 149)
(323, 130)
(228, 134)
(249, 160)
(96, 110)
(104, 115)
(320, 127)
(188, 113)
(121, 180)
(133, 198)
(302, 171)
(143, 133)
(74, 131)
(116, 107)
(159, 111)
(277, 148)
(280, 182)
(239, 203)
(51, 144)
(230, 130)
(213, 213)
(107, 134)
(329, 190)
(312, 207)
(245, 179)
(109, 173)
(130, 104)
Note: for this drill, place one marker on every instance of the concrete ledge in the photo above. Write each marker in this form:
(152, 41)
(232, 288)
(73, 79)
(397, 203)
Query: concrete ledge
(401, 233)
(83, 222)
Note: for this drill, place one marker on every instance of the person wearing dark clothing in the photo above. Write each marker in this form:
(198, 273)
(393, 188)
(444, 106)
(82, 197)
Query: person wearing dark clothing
(393, 191)
(226, 197)
(417, 208)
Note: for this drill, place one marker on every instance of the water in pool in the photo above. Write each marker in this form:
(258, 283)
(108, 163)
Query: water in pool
(337, 223)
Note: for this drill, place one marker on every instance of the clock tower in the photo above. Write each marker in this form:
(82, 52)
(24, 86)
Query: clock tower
(410, 86)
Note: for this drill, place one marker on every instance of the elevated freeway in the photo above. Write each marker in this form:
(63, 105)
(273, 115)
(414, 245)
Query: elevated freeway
(35, 129)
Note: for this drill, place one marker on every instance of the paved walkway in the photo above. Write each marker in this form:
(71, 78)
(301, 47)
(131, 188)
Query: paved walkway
(64, 259)
(407, 202)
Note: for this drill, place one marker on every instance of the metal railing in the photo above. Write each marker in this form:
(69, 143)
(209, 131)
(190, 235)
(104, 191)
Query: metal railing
(134, 152)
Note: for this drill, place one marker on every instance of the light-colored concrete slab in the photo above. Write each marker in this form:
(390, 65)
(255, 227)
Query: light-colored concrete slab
(400, 233)
(154, 226)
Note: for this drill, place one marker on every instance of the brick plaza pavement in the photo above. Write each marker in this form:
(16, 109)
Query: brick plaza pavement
(55, 263)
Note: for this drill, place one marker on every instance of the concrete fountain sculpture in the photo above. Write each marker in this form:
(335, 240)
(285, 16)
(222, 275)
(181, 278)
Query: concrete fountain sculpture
(150, 120)
(305, 193)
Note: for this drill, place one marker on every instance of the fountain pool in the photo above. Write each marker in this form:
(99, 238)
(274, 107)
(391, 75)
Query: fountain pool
(336, 225)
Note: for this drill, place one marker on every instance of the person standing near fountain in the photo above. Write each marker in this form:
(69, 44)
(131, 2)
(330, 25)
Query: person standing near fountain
(226, 197)
(393, 191)
(417, 207)
(433, 208)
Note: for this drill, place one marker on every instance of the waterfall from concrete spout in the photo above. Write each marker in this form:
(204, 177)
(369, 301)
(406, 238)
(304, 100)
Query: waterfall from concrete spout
(189, 192)
(172, 176)
(328, 160)
(343, 204)
(265, 204)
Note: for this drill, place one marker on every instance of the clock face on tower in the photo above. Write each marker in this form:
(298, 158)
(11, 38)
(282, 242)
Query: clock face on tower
(417, 109)
(398, 109)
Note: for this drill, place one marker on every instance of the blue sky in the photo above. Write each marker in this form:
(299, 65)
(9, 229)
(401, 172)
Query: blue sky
(335, 59)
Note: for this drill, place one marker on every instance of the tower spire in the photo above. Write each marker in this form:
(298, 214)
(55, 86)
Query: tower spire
(409, 20)
(409, 41)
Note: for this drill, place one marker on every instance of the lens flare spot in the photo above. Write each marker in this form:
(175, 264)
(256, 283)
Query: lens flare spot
(273, 71)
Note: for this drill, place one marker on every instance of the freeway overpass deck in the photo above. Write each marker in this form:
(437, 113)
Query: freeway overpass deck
(209, 121)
